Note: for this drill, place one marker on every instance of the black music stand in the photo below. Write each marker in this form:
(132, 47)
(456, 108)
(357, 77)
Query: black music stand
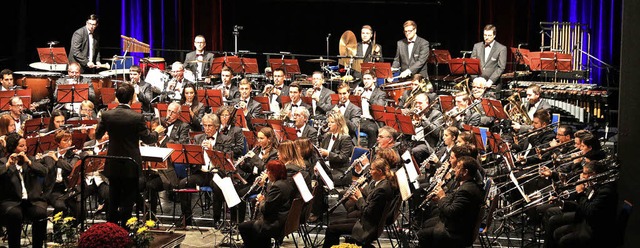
(464, 66)
(73, 93)
(438, 57)
(226, 167)
(493, 108)
(41, 144)
(381, 69)
(210, 97)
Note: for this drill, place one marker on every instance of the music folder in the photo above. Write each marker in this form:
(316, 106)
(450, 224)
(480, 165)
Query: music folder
(228, 190)
(155, 154)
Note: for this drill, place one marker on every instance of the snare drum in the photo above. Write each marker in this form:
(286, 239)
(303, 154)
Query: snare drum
(152, 62)
(395, 90)
(41, 83)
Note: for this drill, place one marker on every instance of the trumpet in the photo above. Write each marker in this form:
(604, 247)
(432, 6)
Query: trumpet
(268, 89)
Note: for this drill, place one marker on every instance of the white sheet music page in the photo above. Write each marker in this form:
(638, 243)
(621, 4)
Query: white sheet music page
(229, 192)
(302, 187)
(403, 184)
(323, 174)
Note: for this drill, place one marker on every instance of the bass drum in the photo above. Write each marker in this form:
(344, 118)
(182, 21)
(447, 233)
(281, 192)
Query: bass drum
(41, 83)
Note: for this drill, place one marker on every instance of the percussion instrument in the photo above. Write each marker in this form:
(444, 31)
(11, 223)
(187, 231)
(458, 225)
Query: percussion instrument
(320, 60)
(348, 47)
(41, 83)
(97, 82)
(152, 62)
(395, 90)
(48, 67)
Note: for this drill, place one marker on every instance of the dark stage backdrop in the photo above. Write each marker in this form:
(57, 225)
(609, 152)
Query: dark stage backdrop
(297, 26)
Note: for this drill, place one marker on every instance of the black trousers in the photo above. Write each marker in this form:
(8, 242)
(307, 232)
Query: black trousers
(371, 129)
(101, 191)
(123, 192)
(252, 236)
(435, 234)
(14, 216)
(337, 228)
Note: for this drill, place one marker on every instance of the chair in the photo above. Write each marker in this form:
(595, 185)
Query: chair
(304, 216)
(621, 222)
(390, 223)
(292, 223)
(483, 230)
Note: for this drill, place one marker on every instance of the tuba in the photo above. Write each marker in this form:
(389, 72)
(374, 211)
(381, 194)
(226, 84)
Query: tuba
(514, 110)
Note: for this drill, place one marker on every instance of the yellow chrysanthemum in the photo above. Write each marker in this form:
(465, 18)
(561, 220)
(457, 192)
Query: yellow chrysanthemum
(56, 219)
(150, 223)
(142, 229)
(67, 219)
(58, 215)
(132, 221)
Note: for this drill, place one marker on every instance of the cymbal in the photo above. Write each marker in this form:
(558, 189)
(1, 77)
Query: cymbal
(348, 46)
(320, 60)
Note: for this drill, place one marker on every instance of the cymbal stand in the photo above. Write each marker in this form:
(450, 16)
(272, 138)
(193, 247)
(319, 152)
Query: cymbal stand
(236, 33)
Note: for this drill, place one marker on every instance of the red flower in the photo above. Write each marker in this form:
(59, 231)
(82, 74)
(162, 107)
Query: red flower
(105, 235)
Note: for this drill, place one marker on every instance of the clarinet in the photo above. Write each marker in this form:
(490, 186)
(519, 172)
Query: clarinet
(440, 180)
(355, 185)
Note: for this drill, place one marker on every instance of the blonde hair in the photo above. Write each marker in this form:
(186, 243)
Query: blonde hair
(338, 118)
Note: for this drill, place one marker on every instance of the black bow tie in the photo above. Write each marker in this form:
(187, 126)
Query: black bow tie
(487, 45)
(334, 137)
(368, 89)
(294, 105)
(367, 42)
(411, 41)
(279, 87)
(199, 54)
(341, 105)
(298, 131)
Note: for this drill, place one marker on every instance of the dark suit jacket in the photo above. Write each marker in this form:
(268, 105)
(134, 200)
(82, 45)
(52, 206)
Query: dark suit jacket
(459, 210)
(126, 128)
(378, 97)
(599, 211)
(275, 208)
(311, 133)
(366, 228)
(416, 61)
(79, 50)
(193, 67)
(340, 153)
(367, 54)
(179, 132)
(145, 95)
(237, 140)
(233, 90)
(66, 164)
(324, 105)
(352, 114)
(432, 123)
(493, 67)
(471, 118)
(254, 108)
(11, 193)
(525, 106)
(223, 142)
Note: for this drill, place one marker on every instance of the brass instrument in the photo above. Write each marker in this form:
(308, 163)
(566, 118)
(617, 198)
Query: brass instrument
(514, 110)
(355, 185)
(542, 151)
(423, 87)
(375, 49)
(533, 132)
(268, 89)
(463, 86)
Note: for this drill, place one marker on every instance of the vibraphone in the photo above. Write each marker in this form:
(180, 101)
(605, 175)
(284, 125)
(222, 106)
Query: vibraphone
(583, 101)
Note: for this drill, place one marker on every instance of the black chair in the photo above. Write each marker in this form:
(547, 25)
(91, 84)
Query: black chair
(623, 218)
(390, 223)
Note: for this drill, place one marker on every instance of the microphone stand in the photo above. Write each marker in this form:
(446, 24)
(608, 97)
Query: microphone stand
(328, 35)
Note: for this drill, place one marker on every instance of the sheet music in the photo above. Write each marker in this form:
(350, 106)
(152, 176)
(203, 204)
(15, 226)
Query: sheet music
(302, 187)
(155, 154)
(229, 192)
(410, 167)
(323, 174)
(156, 78)
(403, 184)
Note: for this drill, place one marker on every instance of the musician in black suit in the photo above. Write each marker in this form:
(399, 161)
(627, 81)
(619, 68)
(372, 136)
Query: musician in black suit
(350, 111)
(274, 207)
(459, 209)
(126, 128)
(533, 104)
(411, 53)
(230, 129)
(199, 61)
(336, 147)
(85, 45)
(303, 130)
(479, 91)
(229, 91)
(177, 131)
(364, 229)
(196, 108)
(428, 125)
(288, 109)
(365, 47)
(470, 116)
(592, 222)
(251, 108)
(202, 175)
(144, 90)
(59, 163)
(321, 96)
(492, 56)
(370, 95)
(16, 107)
(21, 195)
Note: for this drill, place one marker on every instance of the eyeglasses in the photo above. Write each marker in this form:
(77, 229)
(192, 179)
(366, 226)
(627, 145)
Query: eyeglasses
(409, 31)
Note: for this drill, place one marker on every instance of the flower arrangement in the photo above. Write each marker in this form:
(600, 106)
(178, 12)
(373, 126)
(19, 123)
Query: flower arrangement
(65, 232)
(105, 235)
(346, 245)
(139, 231)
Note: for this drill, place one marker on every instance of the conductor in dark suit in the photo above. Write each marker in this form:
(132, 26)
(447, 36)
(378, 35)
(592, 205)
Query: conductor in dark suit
(21, 195)
(459, 210)
(492, 55)
(412, 53)
(85, 46)
(126, 128)
(364, 229)
(199, 61)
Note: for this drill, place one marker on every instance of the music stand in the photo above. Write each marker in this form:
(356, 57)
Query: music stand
(40, 144)
(401, 123)
(250, 137)
(377, 112)
(36, 124)
(73, 93)
(249, 65)
(291, 133)
(439, 57)
(285, 99)
(547, 61)
(464, 66)
(5, 98)
(53, 55)
(277, 128)
(240, 120)
(493, 108)
(108, 95)
(446, 103)
(210, 97)
(477, 133)
(235, 63)
(264, 102)
(290, 66)
(381, 69)
(307, 100)
(563, 62)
